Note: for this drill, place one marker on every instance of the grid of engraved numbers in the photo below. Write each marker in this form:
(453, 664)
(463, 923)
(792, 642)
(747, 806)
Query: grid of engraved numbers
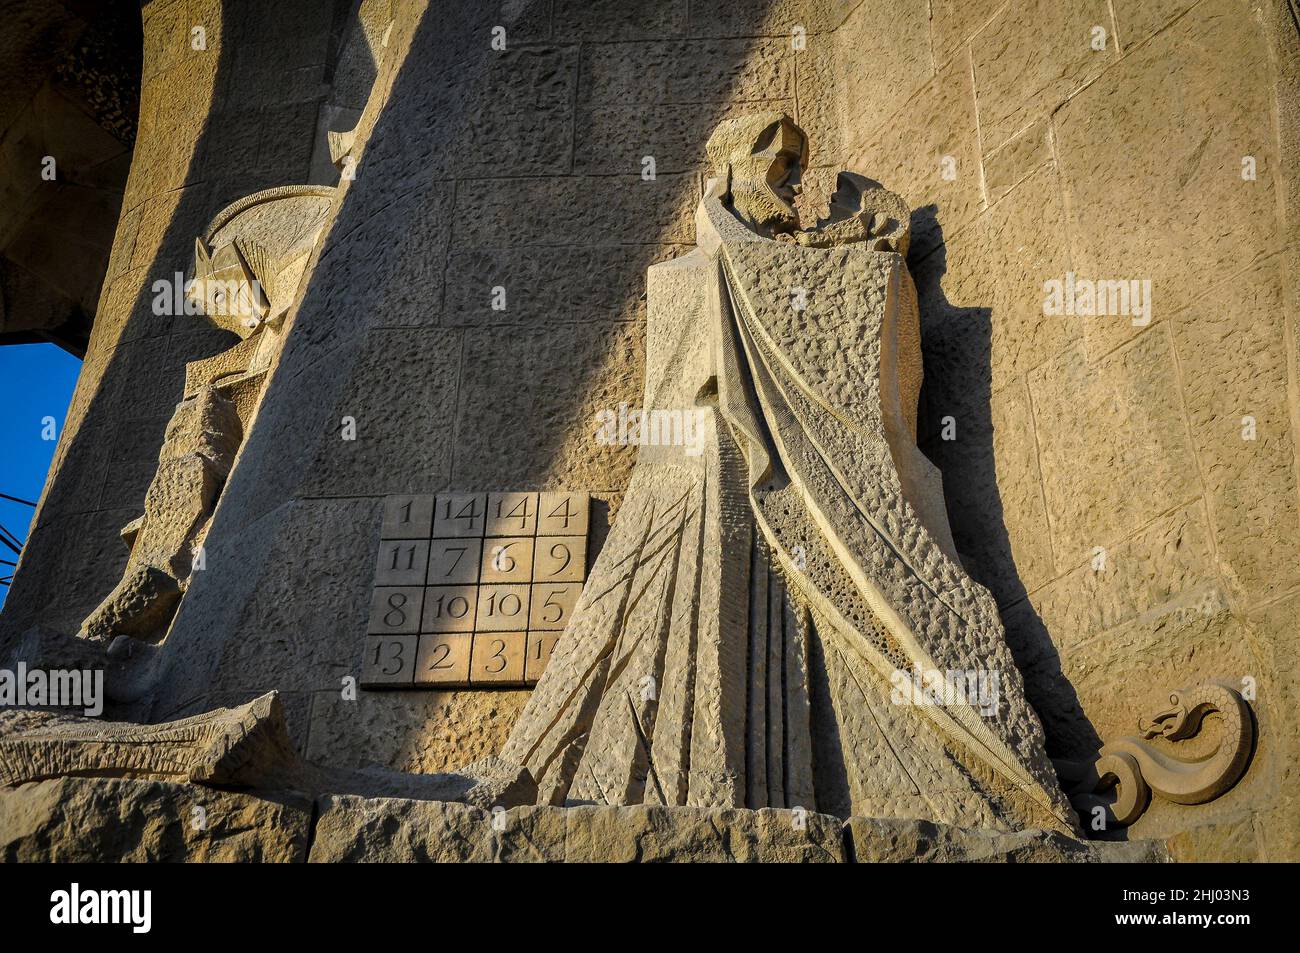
(473, 589)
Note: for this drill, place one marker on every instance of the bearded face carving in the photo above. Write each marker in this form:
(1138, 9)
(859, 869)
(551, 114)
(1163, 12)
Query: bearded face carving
(759, 161)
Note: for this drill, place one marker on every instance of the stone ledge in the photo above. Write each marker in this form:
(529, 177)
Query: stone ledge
(103, 820)
(106, 819)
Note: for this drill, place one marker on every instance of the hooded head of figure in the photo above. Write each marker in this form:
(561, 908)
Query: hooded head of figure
(759, 159)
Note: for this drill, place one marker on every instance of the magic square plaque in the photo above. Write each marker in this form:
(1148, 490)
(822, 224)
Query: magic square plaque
(472, 590)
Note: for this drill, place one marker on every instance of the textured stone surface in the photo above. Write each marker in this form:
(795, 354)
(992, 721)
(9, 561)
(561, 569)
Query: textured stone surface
(411, 731)
(1031, 57)
(993, 488)
(954, 22)
(582, 211)
(1016, 159)
(1166, 558)
(1195, 155)
(910, 155)
(1232, 354)
(525, 124)
(401, 394)
(879, 70)
(107, 820)
(1087, 432)
(311, 644)
(982, 302)
(517, 377)
(892, 841)
(1138, 20)
(1113, 444)
(236, 747)
(613, 20)
(551, 285)
(354, 829)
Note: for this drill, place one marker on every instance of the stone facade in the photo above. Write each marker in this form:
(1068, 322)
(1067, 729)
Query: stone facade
(1128, 492)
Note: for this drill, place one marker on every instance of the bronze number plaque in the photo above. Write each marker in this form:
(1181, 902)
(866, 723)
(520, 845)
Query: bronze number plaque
(473, 589)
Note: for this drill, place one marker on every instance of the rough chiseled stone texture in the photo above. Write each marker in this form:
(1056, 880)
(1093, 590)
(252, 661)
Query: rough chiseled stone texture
(113, 820)
(106, 820)
(1079, 432)
(893, 841)
(1072, 432)
(355, 829)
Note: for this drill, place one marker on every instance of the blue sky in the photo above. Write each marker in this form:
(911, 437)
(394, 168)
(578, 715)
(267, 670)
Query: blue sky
(36, 381)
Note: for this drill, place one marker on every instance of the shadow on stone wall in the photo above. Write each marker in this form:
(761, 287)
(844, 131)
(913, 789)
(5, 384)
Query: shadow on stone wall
(465, 174)
(956, 345)
(218, 118)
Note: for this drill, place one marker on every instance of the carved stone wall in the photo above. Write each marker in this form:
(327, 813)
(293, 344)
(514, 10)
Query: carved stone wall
(214, 125)
(475, 169)
(1074, 433)
(1025, 152)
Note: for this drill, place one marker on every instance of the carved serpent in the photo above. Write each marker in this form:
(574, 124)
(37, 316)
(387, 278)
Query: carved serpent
(1134, 768)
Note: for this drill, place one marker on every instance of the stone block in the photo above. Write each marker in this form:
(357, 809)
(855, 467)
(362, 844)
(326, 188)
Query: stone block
(1016, 159)
(111, 820)
(956, 22)
(272, 637)
(507, 559)
(497, 657)
(395, 609)
(581, 210)
(502, 608)
(460, 515)
(1113, 444)
(1032, 57)
(879, 840)
(929, 155)
(549, 285)
(407, 517)
(880, 69)
(1160, 563)
(389, 660)
(421, 731)
(523, 120)
(606, 20)
(449, 609)
(402, 562)
(1138, 20)
(994, 494)
(552, 604)
(443, 659)
(512, 514)
(563, 514)
(982, 300)
(774, 18)
(454, 562)
(511, 393)
(648, 834)
(392, 830)
(679, 72)
(540, 647)
(1142, 171)
(1232, 351)
(399, 396)
(560, 559)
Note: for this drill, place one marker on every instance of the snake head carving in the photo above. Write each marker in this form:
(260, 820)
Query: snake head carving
(1172, 722)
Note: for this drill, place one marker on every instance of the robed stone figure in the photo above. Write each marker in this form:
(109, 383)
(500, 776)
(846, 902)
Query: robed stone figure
(755, 628)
